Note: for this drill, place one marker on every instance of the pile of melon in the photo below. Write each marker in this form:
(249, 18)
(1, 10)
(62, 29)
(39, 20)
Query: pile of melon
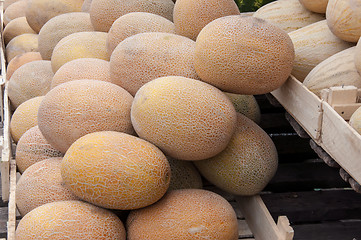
(121, 110)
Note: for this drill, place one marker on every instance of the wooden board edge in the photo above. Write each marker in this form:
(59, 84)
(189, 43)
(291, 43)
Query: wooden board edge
(11, 227)
(261, 222)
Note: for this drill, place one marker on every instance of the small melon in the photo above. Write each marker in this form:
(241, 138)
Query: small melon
(59, 27)
(39, 184)
(315, 6)
(31, 148)
(76, 108)
(103, 13)
(38, 12)
(32, 79)
(14, 10)
(116, 170)
(355, 120)
(79, 45)
(82, 68)
(248, 163)
(243, 55)
(188, 119)
(24, 117)
(74, 220)
(15, 28)
(188, 214)
(247, 105)
(26, 42)
(136, 22)
(145, 56)
(20, 60)
(191, 16)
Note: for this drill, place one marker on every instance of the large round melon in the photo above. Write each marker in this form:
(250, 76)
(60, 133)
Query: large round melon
(186, 118)
(247, 164)
(116, 170)
(187, 214)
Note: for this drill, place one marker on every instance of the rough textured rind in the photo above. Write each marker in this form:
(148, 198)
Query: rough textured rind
(39, 184)
(289, 15)
(244, 55)
(15, 10)
(26, 42)
(15, 28)
(59, 27)
(146, 56)
(76, 108)
(247, 105)
(188, 214)
(20, 60)
(247, 164)
(191, 16)
(82, 68)
(116, 170)
(31, 148)
(74, 220)
(31, 80)
(79, 45)
(186, 118)
(136, 22)
(104, 12)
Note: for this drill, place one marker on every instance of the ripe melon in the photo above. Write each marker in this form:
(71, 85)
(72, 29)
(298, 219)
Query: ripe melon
(14, 10)
(15, 28)
(104, 12)
(59, 27)
(187, 214)
(82, 68)
(315, 6)
(31, 148)
(145, 56)
(244, 55)
(27, 42)
(20, 60)
(184, 175)
(41, 183)
(355, 120)
(247, 105)
(74, 220)
(7, 3)
(38, 12)
(186, 118)
(32, 79)
(191, 16)
(247, 164)
(116, 170)
(357, 56)
(136, 22)
(24, 117)
(76, 108)
(79, 45)
(86, 5)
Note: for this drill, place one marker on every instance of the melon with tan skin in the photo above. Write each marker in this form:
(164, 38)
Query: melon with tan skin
(75, 220)
(116, 170)
(247, 105)
(20, 60)
(26, 42)
(318, 6)
(15, 28)
(244, 55)
(189, 214)
(15, 10)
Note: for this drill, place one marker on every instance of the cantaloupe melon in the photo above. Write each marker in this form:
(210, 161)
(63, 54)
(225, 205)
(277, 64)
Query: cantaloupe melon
(20, 60)
(79, 45)
(39, 184)
(86, 5)
(186, 118)
(248, 163)
(31, 80)
(14, 10)
(247, 105)
(145, 56)
(74, 220)
(187, 214)
(244, 55)
(136, 22)
(31, 148)
(7, 3)
(15, 28)
(355, 120)
(27, 42)
(191, 16)
(315, 6)
(104, 12)
(24, 117)
(82, 68)
(116, 170)
(38, 12)
(76, 108)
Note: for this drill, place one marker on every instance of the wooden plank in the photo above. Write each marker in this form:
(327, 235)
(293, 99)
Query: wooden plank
(12, 203)
(260, 220)
(304, 106)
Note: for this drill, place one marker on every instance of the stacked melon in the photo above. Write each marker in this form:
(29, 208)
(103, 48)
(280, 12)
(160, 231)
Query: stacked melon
(131, 107)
